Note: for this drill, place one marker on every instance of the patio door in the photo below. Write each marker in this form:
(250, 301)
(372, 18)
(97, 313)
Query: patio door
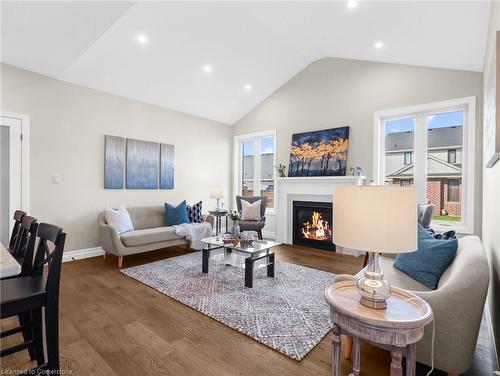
(11, 173)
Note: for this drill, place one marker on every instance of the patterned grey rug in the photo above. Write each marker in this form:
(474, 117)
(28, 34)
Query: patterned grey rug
(287, 313)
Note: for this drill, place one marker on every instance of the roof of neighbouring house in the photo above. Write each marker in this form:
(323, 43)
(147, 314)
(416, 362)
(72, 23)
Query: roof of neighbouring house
(437, 137)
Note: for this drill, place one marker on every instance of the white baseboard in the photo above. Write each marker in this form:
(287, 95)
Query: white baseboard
(269, 235)
(79, 254)
(348, 251)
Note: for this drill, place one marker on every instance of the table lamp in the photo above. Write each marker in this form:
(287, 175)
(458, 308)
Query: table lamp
(217, 192)
(375, 219)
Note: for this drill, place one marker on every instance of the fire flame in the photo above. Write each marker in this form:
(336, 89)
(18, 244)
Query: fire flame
(317, 229)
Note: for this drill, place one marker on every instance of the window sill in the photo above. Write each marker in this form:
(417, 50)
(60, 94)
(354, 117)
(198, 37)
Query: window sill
(459, 229)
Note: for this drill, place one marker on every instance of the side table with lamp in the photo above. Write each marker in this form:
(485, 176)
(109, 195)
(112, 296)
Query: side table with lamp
(376, 219)
(217, 192)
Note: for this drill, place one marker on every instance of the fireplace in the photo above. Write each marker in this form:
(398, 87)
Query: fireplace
(312, 224)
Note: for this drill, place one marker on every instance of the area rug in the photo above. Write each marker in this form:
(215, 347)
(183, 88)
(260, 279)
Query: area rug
(287, 313)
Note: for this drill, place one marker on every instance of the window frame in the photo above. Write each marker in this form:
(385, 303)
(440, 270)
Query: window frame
(454, 153)
(410, 154)
(237, 163)
(420, 112)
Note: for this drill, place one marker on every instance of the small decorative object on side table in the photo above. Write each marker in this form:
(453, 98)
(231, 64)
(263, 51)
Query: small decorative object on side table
(218, 214)
(397, 329)
(235, 216)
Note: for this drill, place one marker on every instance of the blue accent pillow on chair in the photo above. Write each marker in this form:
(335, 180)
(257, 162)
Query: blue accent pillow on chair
(429, 261)
(176, 215)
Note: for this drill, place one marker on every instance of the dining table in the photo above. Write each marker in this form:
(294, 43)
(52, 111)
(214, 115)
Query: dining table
(8, 264)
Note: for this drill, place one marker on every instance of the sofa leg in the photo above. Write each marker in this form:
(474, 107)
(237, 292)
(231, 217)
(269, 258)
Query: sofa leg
(104, 256)
(120, 261)
(453, 374)
(188, 246)
(259, 234)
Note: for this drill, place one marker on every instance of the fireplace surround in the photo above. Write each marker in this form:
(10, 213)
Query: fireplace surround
(312, 224)
(309, 188)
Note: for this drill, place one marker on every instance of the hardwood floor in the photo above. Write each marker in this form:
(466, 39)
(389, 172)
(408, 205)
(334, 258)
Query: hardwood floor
(113, 325)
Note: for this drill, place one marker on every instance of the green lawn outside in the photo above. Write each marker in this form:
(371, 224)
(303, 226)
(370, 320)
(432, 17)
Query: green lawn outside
(446, 218)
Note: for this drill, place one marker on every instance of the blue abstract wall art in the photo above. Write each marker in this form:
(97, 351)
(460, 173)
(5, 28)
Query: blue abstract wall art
(166, 166)
(142, 164)
(114, 162)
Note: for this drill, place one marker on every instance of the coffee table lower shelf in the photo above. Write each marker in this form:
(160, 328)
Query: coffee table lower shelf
(250, 261)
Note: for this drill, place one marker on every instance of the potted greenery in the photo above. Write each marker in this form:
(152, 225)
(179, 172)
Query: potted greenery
(235, 216)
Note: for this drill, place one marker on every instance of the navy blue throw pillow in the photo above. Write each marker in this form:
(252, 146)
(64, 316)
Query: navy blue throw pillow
(429, 261)
(194, 212)
(175, 215)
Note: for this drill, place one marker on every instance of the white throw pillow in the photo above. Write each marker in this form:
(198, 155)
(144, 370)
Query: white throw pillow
(119, 219)
(250, 212)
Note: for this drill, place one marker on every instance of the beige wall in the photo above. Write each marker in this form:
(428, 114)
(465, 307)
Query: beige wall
(68, 124)
(491, 186)
(334, 92)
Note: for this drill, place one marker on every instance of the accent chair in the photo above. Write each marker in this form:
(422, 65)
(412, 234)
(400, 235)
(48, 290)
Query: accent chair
(256, 226)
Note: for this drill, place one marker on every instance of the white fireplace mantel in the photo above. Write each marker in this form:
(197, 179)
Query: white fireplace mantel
(312, 188)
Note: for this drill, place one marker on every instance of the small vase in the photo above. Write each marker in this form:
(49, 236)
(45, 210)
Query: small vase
(235, 228)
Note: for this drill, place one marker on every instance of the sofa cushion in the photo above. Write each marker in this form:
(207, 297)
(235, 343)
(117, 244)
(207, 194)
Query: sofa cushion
(176, 215)
(252, 225)
(148, 236)
(195, 212)
(119, 219)
(144, 217)
(250, 211)
(398, 278)
(429, 261)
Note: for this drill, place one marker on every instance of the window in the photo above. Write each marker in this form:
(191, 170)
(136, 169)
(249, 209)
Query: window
(408, 158)
(452, 156)
(398, 142)
(454, 190)
(255, 165)
(247, 162)
(405, 183)
(437, 144)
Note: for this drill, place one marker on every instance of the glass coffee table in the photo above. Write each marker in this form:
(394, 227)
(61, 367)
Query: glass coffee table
(249, 257)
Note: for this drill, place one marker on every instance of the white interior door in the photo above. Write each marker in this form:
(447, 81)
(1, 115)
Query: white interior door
(11, 172)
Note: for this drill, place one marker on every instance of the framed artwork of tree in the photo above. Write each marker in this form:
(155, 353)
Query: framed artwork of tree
(319, 153)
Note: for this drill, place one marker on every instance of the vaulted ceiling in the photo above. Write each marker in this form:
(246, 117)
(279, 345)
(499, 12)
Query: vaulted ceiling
(219, 60)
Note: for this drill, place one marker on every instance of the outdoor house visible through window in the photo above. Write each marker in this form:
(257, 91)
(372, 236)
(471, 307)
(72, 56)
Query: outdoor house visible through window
(452, 156)
(431, 147)
(454, 190)
(255, 167)
(408, 157)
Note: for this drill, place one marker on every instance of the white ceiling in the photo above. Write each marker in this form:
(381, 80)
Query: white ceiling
(263, 44)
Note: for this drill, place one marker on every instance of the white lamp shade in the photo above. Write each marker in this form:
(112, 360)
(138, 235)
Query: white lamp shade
(376, 219)
(216, 191)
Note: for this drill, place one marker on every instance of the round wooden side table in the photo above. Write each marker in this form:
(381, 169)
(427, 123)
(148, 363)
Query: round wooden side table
(397, 328)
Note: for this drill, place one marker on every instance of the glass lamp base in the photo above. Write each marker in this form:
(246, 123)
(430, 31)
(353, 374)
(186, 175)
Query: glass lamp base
(374, 289)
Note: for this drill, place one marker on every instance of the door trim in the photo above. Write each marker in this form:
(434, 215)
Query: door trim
(25, 156)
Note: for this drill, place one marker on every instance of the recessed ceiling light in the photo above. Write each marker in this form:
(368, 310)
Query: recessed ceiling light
(247, 87)
(142, 39)
(207, 68)
(378, 45)
(352, 4)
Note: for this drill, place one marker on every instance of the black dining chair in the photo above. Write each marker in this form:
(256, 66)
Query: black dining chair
(35, 293)
(23, 238)
(24, 255)
(18, 217)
